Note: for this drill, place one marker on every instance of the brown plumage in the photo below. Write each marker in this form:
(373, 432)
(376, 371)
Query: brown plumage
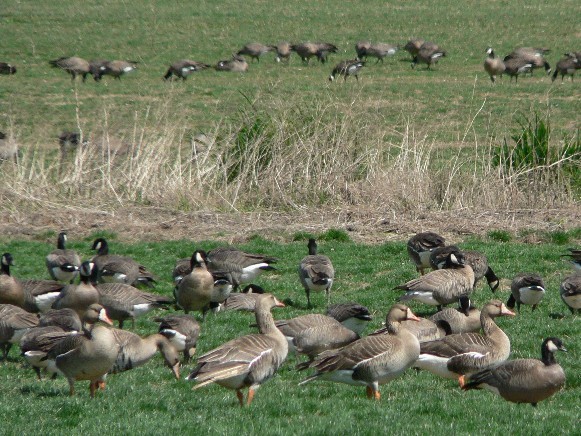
(526, 288)
(255, 50)
(429, 53)
(237, 64)
(517, 66)
(63, 264)
(115, 68)
(79, 297)
(75, 66)
(308, 50)
(420, 246)
(66, 318)
(567, 67)
(570, 291)
(240, 266)
(283, 51)
(380, 50)
(413, 46)
(492, 65)
(182, 331)
(530, 55)
(14, 322)
(11, 291)
(477, 261)
(184, 68)
(316, 272)
(352, 315)
(464, 319)
(361, 49)
(195, 290)
(8, 148)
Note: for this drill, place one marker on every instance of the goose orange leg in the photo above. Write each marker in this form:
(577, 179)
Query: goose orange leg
(250, 396)
(240, 396)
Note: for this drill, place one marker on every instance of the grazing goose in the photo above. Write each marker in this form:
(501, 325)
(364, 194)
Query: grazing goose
(420, 246)
(361, 49)
(526, 288)
(493, 65)
(283, 51)
(184, 68)
(67, 319)
(530, 55)
(135, 351)
(96, 68)
(182, 331)
(237, 64)
(196, 288)
(79, 297)
(14, 322)
(354, 316)
(429, 53)
(316, 272)
(347, 68)
(113, 268)
(566, 67)
(243, 267)
(477, 261)
(466, 353)
(516, 66)
(245, 300)
(37, 342)
(63, 264)
(115, 68)
(371, 360)
(413, 46)
(522, 380)
(423, 329)
(247, 361)
(571, 292)
(255, 50)
(6, 68)
(320, 50)
(443, 286)
(464, 319)
(126, 302)
(75, 66)
(575, 258)
(380, 50)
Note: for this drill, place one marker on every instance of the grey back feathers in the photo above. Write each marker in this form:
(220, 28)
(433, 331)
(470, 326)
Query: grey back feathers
(492, 65)
(526, 288)
(346, 69)
(316, 272)
(570, 291)
(63, 264)
(420, 246)
(75, 66)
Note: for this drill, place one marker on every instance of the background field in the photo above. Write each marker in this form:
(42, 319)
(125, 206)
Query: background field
(148, 401)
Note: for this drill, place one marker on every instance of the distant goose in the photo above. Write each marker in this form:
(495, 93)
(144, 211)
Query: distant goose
(429, 53)
(116, 69)
(183, 68)
(526, 288)
(522, 380)
(361, 49)
(413, 46)
(182, 331)
(6, 68)
(570, 291)
(516, 66)
(255, 50)
(567, 66)
(63, 264)
(575, 258)
(308, 50)
(75, 66)
(380, 51)
(195, 291)
(420, 246)
(493, 65)
(14, 323)
(8, 148)
(347, 68)
(530, 55)
(283, 51)
(237, 64)
(316, 272)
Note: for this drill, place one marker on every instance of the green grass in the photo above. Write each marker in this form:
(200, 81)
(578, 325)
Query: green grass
(147, 400)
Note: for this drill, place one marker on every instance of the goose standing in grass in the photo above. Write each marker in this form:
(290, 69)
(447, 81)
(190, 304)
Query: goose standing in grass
(413, 46)
(352, 315)
(523, 380)
(464, 319)
(182, 331)
(63, 264)
(194, 293)
(492, 65)
(361, 49)
(11, 291)
(6, 68)
(14, 323)
(381, 50)
(466, 353)
(526, 288)
(566, 66)
(247, 361)
(116, 69)
(516, 66)
(255, 50)
(530, 55)
(372, 360)
(183, 68)
(283, 51)
(112, 268)
(237, 64)
(429, 53)
(79, 297)
(570, 291)
(420, 246)
(75, 66)
(575, 256)
(347, 68)
(316, 272)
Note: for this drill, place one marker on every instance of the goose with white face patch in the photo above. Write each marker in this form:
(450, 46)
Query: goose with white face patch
(195, 291)
(575, 256)
(79, 297)
(182, 331)
(420, 247)
(63, 264)
(526, 288)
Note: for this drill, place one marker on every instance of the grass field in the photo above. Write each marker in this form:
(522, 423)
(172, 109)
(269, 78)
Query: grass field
(149, 401)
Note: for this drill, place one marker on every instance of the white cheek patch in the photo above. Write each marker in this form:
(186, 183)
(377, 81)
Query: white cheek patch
(551, 346)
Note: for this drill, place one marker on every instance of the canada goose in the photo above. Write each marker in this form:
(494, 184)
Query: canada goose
(380, 50)
(184, 68)
(66, 318)
(320, 50)
(237, 64)
(361, 49)
(429, 53)
(195, 290)
(575, 258)
(526, 288)
(37, 342)
(135, 351)
(72, 65)
(6, 68)
(247, 361)
(11, 291)
(464, 319)
(182, 331)
(283, 51)
(354, 316)
(466, 353)
(477, 261)
(413, 46)
(14, 322)
(96, 68)
(571, 292)
(87, 356)
(116, 69)
(443, 286)
(516, 66)
(255, 50)
(126, 302)
(224, 281)
(420, 246)
(79, 297)
(8, 148)
(63, 264)
(39, 295)
(492, 65)
(113, 268)
(567, 66)
(347, 68)
(530, 55)
(371, 360)
(242, 266)
(316, 272)
(522, 380)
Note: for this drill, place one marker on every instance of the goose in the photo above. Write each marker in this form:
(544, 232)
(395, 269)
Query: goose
(183, 68)
(566, 67)
(237, 64)
(135, 351)
(523, 380)
(116, 69)
(79, 297)
(493, 65)
(465, 353)
(420, 246)
(87, 356)
(361, 49)
(243, 267)
(413, 46)
(6, 68)
(126, 302)
(67, 319)
(283, 51)
(575, 258)
(247, 361)
(320, 50)
(63, 264)
(371, 360)
(443, 286)
(113, 268)
(245, 300)
(530, 55)
(477, 261)
(526, 288)
(517, 66)
(74, 65)
(464, 319)
(14, 322)
(195, 290)
(37, 342)
(423, 329)
(316, 272)
(381, 50)
(11, 291)
(347, 68)
(96, 68)
(39, 295)
(429, 53)
(182, 331)
(224, 281)
(570, 291)
(255, 50)
(352, 315)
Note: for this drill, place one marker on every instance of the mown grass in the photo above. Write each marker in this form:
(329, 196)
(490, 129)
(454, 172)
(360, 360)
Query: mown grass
(147, 400)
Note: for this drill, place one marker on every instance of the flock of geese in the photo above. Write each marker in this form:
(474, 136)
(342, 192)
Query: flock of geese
(59, 323)
(521, 60)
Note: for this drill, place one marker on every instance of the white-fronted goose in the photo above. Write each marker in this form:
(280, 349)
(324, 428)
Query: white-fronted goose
(571, 292)
(113, 268)
(420, 246)
(347, 68)
(492, 65)
(195, 290)
(182, 331)
(575, 258)
(466, 353)
(135, 351)
(523, 380)
(63, 264)
(464, 319)
(126, 302)
(75, 66)
(423, 329)
(6, 68)
(245, 300)
(237, 64)
(37, 342)
(255, 50)
(371, 360)
(316, 272)
(14, 322)
(247, 361)
(79, 297)
(352, 315)
(477, 261)
(184, 68)
(526, 288)
(443, 286)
